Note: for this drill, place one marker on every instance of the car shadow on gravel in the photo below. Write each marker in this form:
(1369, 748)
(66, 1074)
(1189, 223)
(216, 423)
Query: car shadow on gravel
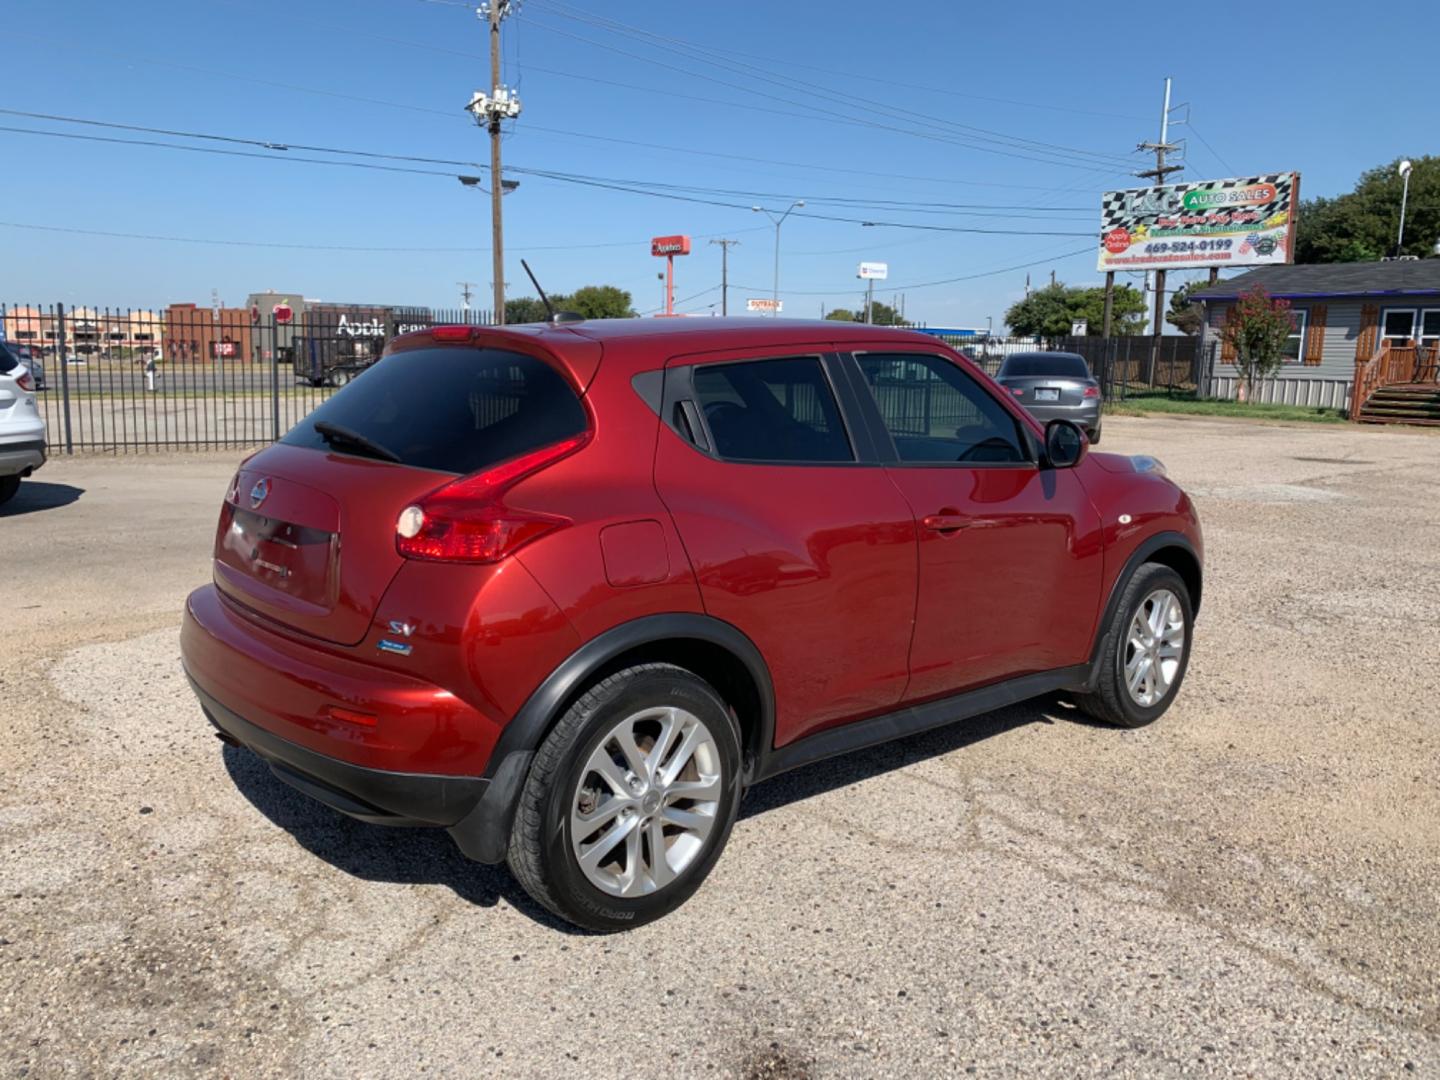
(379, 852)
(851, 768)
(36, 495)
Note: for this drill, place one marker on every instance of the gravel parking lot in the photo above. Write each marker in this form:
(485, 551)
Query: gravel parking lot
(1251, 886)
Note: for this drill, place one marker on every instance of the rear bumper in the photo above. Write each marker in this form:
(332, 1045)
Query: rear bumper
(21, 457)
(375, 795)
(422, 762)
(1087, 415)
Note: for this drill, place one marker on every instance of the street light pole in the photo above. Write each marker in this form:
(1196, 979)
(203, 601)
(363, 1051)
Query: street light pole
(489, 108)
(1404, 198)
(775, 292)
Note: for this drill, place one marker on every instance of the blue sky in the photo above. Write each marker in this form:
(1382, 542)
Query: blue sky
(1034, 106)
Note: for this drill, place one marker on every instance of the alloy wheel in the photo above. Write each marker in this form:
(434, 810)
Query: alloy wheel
(1153, 647)
(646, 802)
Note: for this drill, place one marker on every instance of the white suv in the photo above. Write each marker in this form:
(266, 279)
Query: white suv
(22, 431)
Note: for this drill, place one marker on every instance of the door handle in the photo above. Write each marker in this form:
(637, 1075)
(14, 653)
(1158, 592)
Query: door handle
(947, 521)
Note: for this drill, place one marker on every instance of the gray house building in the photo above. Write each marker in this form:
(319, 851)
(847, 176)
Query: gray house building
(1346, 314)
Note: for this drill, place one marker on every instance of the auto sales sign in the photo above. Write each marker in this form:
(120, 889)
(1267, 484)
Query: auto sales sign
(1248, 221)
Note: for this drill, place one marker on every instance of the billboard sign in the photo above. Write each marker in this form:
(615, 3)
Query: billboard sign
(875, 270)
(1246, 221)
(670, 245)
(764, 303)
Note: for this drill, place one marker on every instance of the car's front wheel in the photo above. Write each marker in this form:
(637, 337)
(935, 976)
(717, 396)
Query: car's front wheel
(630, 799)
(1145, 651)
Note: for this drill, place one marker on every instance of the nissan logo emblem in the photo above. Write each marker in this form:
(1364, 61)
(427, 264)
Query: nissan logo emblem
(259, 491)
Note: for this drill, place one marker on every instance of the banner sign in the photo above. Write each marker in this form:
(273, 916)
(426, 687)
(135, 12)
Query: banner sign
(670, 245)
(877, 270)
(1249, 221)
(764, 304)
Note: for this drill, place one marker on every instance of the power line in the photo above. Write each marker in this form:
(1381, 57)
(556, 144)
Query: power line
(329, 247)
(570, 178)
(791, 63)
(917, 206)
(1213, 153)
(969, 142)
(847, 290)
(768, 73)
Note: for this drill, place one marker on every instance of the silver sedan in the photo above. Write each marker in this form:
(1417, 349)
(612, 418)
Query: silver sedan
(1054, 386)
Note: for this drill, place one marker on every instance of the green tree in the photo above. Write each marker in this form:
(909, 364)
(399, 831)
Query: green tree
(1362, 226)
(1050, 312)
(528, 309)
(880, 315)
(1185, 314)
(598, 302)
(1257, 330)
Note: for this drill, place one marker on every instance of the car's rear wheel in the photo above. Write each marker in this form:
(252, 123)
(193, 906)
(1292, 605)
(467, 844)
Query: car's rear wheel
(630, 799)
(9, 485)
(1095, 436)
(1145, 651)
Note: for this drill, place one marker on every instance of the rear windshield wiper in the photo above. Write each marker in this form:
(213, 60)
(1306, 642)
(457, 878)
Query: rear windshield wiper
(336, 435)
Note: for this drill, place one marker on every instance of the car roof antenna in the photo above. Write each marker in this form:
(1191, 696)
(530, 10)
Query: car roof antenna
(555, 316)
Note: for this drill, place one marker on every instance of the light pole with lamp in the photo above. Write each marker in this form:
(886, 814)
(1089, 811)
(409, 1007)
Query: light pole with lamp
(775, 293)
(1404, 198)
(506, 187)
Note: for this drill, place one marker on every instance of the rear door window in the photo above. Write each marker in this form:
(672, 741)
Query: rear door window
(772, 410)
(451, 409)
(936, 413)
(8, 362)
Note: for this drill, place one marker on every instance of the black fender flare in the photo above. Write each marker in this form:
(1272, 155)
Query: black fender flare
(1138, 558)
(484, 833)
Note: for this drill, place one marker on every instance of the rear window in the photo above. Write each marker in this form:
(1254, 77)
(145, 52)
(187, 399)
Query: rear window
(1031, 364)
(8, 362)
(452, 409)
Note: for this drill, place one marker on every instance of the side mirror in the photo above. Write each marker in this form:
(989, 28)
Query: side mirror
(1064, 444)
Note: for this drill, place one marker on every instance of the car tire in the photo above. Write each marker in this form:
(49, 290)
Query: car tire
(1095, 437)
(339, 378)
(592, 817)
(1161, 647)
(9, 485)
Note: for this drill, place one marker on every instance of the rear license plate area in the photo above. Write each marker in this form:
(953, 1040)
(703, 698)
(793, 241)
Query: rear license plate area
(1047, 394)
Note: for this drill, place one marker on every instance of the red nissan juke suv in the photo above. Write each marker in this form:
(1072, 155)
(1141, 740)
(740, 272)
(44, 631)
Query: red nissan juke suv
(568, 590)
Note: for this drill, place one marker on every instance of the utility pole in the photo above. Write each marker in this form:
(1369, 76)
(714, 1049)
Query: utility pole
(465, 294)
(725, 246)
(489, 109)
(1159, 174)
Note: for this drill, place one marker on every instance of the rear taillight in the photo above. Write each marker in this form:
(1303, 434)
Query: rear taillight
(467, 520)
(1018, 392)
(1092, 391)
(24, 381)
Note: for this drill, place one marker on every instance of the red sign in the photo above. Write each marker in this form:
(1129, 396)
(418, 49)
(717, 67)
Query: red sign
(1117, 240)
(221, 350)
(283, 313)
(670, 245)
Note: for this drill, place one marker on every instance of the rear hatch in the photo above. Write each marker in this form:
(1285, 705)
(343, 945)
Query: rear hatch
(307, 534)
(1045, 389)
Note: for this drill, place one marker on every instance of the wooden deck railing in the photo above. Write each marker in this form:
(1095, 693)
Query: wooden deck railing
(1392, 365)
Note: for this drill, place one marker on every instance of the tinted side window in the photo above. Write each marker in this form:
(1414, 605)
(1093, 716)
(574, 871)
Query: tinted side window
(7, 361)
(772, 410)
(453, 409)
(935, 412)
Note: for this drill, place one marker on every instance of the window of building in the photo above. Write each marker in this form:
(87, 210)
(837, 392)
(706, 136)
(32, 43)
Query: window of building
(1430, 328)
(1294, 351)
(772, 410)
(1397, 325)
(936, 413)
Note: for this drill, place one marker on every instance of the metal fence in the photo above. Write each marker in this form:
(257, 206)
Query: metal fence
(189, 377)
(1122, 365)
(122, 380)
